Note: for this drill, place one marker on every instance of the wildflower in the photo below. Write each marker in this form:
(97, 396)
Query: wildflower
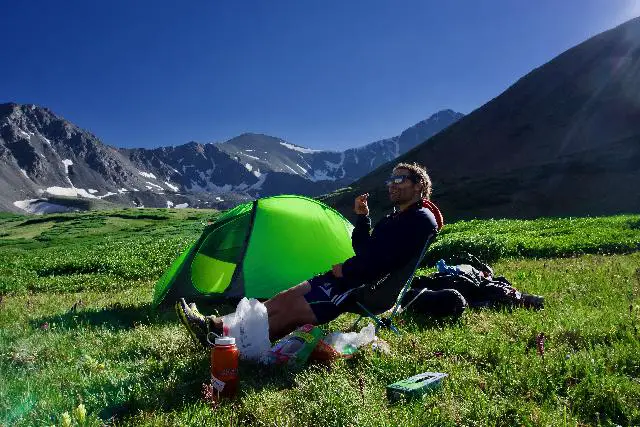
(45, 326)
(66, 419)
(81, 413)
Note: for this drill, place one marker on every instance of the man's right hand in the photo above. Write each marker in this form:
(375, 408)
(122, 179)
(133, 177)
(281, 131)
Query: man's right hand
(360, 207)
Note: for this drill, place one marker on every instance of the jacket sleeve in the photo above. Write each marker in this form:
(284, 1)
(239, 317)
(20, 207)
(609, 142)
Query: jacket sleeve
(386, 252)
(361, 235)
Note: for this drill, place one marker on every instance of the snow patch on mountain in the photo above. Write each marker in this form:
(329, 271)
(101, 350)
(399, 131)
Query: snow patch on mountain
(155, 185)
(210, 188)
(292, 169)
(67, 163)
(64, 191)
(171, 186)
(182, 205)
(147, 175)
(300, 149)
(74, 192)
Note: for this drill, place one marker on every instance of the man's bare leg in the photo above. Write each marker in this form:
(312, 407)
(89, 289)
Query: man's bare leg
(286, 311)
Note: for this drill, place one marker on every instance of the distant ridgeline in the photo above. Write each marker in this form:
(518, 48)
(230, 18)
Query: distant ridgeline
(48, 164)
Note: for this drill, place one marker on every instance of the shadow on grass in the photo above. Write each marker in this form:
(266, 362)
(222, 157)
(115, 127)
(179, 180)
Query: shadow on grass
(425, 320)
(189, 389)
(115, 315)
(155, 397)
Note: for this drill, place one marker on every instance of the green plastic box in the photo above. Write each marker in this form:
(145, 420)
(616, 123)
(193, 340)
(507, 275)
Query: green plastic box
(414, 387)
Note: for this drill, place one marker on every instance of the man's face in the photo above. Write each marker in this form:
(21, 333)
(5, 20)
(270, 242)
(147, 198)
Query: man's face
(404, 191)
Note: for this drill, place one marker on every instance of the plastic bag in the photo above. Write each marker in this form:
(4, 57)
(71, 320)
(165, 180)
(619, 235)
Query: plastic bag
(296, 347)
(249, 325)
(340, 344)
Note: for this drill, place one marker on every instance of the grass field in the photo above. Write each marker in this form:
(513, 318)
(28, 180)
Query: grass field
(81, 345)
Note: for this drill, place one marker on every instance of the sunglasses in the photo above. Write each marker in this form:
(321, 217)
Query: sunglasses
(397, 179)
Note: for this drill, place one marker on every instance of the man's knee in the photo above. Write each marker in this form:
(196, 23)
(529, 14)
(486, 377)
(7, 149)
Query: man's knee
(294, 292)
(285, 299)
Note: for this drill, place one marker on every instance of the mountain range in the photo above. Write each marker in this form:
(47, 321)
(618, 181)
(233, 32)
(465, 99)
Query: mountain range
(564, 140)
(49, 164)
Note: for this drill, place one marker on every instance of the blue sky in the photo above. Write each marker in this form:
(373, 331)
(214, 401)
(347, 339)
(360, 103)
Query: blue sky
(322, 74)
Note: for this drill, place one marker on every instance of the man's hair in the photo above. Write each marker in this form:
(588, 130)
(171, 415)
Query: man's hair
(418, 174)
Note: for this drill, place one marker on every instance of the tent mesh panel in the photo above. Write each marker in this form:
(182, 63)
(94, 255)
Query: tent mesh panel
(213, 266)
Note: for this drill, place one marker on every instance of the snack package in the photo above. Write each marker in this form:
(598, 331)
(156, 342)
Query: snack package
(343, 345)
(324, 352)
(295, 348)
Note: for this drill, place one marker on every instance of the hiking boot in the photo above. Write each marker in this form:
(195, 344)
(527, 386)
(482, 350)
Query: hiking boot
(194, 308)
(535, 302)
(198, 325)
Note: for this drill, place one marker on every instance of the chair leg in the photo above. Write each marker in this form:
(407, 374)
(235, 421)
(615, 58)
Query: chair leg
(394, 329)
(379, 323)
(356, 322)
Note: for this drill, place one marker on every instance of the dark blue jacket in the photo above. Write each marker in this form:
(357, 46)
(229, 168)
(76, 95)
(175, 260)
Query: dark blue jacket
(395, 239)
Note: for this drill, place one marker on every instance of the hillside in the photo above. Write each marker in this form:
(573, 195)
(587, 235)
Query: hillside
(563, 140)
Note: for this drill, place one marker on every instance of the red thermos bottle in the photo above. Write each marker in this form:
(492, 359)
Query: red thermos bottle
(224, 366)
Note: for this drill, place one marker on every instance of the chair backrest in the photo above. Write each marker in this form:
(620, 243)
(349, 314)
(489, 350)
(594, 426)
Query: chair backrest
(382, 296)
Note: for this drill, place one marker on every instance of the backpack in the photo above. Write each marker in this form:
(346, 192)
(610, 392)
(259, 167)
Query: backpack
(474, 280)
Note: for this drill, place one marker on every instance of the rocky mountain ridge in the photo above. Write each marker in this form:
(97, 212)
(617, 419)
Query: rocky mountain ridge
(43, 155)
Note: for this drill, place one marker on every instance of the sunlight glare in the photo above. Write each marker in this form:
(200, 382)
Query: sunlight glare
(630, 10)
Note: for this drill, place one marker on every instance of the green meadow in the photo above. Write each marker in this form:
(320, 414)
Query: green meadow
(80, 343)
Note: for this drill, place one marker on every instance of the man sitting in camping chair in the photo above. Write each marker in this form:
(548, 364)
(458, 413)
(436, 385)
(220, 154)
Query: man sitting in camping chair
(396, 241)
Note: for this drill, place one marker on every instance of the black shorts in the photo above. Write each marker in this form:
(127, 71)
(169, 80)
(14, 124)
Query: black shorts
(326, 298)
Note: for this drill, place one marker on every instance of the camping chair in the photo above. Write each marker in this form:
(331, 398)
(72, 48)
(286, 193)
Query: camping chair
(372, 300)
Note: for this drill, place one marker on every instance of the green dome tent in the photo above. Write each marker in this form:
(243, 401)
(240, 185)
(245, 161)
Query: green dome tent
(258, 249)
